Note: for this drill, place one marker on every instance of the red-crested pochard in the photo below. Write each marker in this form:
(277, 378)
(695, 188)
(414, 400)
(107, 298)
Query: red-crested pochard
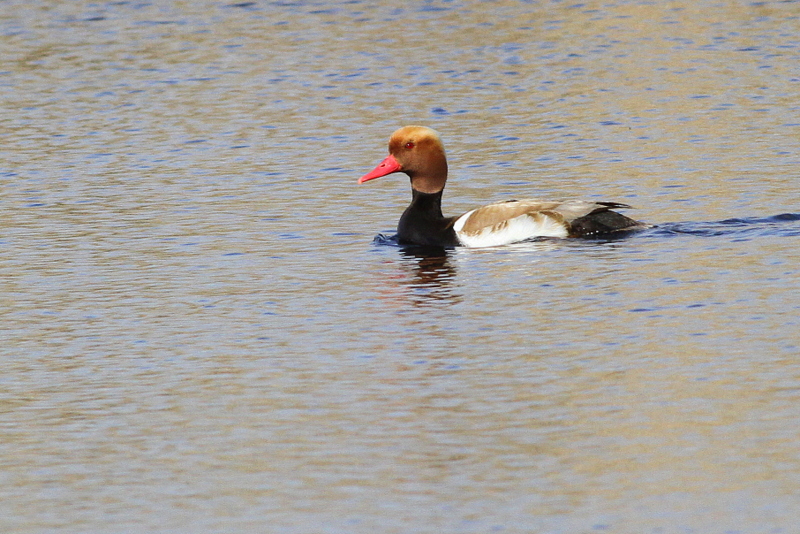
(418, 151)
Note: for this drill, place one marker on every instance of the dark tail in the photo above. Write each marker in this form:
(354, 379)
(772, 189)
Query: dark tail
(603, 222)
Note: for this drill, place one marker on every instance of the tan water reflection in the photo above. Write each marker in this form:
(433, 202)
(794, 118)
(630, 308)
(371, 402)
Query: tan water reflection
(199, 336)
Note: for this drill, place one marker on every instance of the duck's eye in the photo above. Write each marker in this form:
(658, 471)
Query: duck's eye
(409, 145)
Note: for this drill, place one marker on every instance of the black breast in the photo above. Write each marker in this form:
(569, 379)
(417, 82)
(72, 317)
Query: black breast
(423, 223)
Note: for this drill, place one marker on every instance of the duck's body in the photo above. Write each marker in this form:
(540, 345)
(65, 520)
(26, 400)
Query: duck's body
(418, 151)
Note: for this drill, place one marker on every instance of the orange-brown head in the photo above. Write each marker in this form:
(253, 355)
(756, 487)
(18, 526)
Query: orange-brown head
(417, 151)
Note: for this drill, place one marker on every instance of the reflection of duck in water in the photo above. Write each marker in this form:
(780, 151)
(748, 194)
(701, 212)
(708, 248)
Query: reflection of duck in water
(418, 152)
(432, 272)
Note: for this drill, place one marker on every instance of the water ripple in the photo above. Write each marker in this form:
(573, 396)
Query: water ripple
(776, 225)
(781, 225)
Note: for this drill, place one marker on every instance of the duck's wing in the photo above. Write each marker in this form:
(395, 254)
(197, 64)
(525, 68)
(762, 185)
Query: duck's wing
(517, 220)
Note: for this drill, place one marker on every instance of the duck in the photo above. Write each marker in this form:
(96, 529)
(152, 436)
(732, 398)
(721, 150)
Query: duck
(418, 151)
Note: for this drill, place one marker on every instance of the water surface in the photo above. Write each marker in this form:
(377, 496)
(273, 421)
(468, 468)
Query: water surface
(199, 333)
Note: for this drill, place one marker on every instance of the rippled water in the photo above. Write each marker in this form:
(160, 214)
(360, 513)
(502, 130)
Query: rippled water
(201, 331)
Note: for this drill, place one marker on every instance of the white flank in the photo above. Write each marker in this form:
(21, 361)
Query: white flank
(459, 224)
(512, 231)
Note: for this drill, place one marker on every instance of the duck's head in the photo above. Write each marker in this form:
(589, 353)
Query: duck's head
(417, 151)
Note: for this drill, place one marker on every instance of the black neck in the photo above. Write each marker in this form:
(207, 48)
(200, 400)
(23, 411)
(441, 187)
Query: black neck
(423, 223)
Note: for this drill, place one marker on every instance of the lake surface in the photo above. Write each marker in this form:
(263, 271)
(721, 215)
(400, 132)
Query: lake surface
(200, 335)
